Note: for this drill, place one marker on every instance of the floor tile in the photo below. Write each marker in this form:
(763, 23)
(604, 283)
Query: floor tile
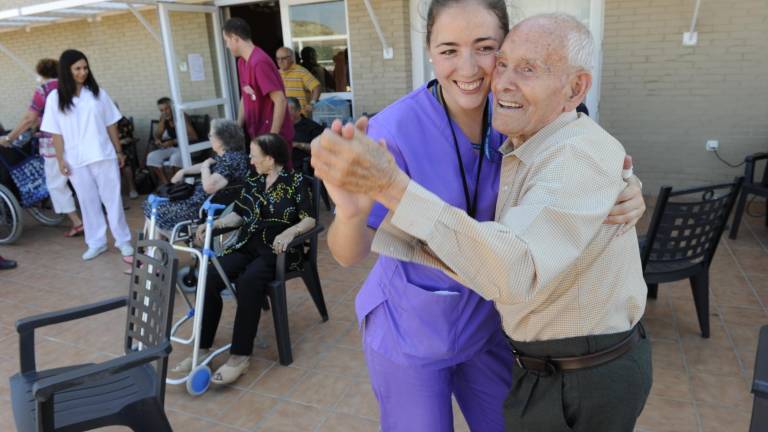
(668, 415)
(292, 417)
(342, 422)
(730, 391)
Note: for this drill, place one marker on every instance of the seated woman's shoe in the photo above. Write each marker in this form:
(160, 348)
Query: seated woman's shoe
(185, 366)
(231, 370)
(6, 264)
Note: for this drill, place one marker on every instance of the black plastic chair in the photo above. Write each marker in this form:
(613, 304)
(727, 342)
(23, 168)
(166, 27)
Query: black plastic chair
(125, 391)
(760, 385)
(750, 187)
(308, 273)
(682, 238)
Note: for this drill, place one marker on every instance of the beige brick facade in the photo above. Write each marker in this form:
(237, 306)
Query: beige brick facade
(126, 60)
(377, 82)
(664, 100)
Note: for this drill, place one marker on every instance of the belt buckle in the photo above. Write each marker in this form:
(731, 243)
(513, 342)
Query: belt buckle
(547, 367)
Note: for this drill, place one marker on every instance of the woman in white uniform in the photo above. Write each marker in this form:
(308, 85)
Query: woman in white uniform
(83, 121)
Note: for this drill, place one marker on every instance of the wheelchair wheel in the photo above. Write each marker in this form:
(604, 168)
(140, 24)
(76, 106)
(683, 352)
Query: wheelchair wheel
(11, 221)
(187, 279)
(44, 213)
(199, 380)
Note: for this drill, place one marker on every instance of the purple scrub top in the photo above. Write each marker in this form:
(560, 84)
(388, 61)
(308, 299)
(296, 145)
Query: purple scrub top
(407, 321)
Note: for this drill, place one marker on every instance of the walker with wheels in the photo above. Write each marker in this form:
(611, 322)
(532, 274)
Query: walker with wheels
(199, 378)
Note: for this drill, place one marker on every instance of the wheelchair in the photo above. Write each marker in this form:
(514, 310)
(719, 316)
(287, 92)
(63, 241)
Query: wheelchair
(11, 216)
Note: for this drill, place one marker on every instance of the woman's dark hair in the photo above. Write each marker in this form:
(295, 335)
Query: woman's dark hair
(273, 145)
(67, 85)
(238, 27)
(498, 7)
(47, 68)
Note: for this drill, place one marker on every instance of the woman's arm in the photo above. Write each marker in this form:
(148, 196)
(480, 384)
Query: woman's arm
(350, 239)
(231, 220)
(29, 120)
(114, 136)
(283, 239)
(58, 145)
(212, 182)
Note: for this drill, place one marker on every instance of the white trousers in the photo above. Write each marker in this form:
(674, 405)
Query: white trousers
(172, 155)
(99, 183)
(61, 196)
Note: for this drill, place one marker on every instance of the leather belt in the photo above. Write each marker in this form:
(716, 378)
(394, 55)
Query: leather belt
(549, 365)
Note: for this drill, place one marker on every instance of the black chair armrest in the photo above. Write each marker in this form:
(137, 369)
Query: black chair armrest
(26, 326)
(760, 380)
(749, 169)
(45, 388)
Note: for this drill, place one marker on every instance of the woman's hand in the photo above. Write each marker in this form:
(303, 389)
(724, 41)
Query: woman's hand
(629, 208)
(64, 168)
(178, 177)
(200, 234)
(282, 241)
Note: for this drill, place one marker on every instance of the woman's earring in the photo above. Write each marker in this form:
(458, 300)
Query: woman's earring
(430, 59)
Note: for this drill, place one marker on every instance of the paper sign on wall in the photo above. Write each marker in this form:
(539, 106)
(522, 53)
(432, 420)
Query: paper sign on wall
(196, 70)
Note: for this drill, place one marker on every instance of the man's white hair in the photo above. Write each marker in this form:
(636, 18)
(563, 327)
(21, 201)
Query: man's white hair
(579, 44)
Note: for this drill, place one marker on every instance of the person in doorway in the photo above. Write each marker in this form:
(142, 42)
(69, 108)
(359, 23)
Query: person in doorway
(569, 287)
(309, 62)
(263, 106)
(299, 83)
(83, 121)
(165, 139)
(58, 188)
(305, 131)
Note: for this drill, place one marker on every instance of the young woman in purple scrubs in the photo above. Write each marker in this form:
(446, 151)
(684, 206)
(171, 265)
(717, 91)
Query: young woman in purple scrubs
(425, 336)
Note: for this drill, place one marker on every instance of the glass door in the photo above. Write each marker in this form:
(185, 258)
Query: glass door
(195, 58)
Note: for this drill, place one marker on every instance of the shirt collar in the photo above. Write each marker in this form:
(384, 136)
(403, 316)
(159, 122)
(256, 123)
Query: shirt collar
(533, 145)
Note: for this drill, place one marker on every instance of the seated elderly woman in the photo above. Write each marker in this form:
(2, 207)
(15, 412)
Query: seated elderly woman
(274, 207)
(229, 164)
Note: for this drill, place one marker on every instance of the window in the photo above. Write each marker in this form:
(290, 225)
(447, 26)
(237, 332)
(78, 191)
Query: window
(323, 27)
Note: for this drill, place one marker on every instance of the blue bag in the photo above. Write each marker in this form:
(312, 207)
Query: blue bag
(29, 176)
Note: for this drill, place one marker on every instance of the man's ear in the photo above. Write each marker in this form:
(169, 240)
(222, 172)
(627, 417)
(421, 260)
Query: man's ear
(579, 86)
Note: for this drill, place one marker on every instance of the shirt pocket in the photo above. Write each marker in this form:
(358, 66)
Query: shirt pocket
(423, 322)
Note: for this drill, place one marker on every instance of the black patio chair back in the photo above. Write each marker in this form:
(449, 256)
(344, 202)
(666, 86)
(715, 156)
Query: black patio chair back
(683, 236)
(127, 390)
(752, 164)
(308, 242)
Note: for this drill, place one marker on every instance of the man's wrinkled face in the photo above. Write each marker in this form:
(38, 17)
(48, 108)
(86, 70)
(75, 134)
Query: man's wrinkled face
(284, 59)
(531, 81)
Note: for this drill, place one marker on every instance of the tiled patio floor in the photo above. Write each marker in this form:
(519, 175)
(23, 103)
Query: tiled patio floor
(699, 385)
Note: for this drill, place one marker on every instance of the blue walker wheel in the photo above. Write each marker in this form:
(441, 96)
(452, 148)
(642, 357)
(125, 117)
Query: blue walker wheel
(199, 380)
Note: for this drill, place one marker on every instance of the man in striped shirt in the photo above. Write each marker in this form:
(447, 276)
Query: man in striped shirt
(568, 287)
(298, 82)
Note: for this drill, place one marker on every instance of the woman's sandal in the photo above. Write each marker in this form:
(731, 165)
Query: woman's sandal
(227, 374)
(75, 231)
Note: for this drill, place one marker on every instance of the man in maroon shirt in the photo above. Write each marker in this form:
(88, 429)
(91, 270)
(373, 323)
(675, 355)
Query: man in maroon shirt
(263, 106)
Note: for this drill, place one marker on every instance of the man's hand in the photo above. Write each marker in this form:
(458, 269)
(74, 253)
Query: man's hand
(121, 159)
(349, 159)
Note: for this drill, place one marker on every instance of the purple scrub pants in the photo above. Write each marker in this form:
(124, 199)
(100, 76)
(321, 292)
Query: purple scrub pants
(418, 398)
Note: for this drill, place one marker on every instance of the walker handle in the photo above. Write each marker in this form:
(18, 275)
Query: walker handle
(212, 208)
(155, 201)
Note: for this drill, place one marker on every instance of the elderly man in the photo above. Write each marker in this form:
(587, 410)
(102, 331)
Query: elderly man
(305, 131)
(569, 288)
(299, 82)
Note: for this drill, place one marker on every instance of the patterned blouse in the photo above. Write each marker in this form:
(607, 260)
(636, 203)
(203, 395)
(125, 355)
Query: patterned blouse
(268, 212)
(232, 165)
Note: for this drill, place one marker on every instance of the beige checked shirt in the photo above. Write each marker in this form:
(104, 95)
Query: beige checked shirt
(549, 263)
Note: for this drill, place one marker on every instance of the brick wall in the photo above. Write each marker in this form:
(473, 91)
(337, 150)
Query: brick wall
(378, 82)
(126, 60)
(664, 100)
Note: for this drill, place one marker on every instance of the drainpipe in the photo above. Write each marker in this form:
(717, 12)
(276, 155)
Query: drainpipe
(388, 51)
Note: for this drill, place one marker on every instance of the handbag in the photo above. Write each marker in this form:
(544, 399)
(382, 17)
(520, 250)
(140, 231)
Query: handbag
(29, 177)
(176, 191)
